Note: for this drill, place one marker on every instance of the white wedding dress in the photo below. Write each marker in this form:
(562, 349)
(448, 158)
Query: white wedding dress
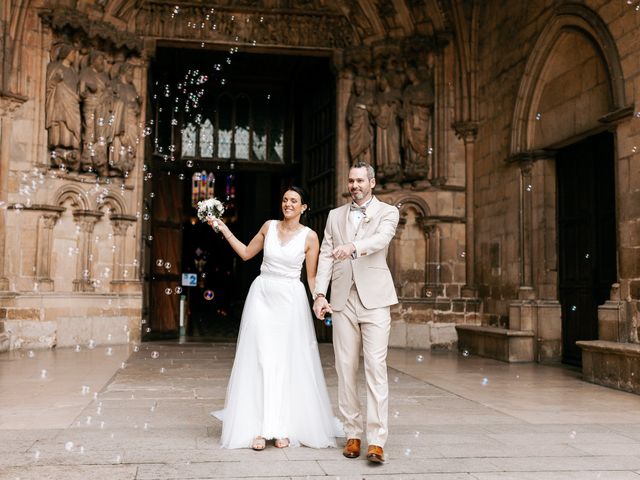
(277, 387)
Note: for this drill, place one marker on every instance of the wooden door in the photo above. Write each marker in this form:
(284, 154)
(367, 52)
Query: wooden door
(165, 255)
(318, 153)
(587, 238)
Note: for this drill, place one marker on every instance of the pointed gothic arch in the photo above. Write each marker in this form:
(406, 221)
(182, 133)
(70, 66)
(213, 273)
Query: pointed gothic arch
(566, 18)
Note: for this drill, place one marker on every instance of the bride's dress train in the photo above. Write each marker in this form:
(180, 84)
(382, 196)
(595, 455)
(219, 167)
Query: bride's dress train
(277, 387)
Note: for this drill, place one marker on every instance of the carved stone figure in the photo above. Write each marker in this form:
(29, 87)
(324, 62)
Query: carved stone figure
(62, 108)
(386, 111)
(359, 121)
(126, 111)
(417, 111)
(97, 99)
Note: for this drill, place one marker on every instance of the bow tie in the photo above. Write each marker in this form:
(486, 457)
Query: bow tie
(356, 208)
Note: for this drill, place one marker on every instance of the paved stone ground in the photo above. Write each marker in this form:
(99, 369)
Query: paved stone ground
(121, 414)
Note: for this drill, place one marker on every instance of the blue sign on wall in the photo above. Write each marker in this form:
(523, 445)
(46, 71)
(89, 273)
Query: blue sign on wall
(189, 279)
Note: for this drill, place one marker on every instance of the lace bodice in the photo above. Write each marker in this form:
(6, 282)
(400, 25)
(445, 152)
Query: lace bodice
(283, 260)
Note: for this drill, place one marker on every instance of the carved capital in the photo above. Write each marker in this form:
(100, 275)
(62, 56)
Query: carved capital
(120, 227)
(49, 220)
(86, 219)
(10, 103)
(429, 229)
(466, 131)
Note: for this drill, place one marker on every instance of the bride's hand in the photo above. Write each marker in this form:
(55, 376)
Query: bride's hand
(218, 225)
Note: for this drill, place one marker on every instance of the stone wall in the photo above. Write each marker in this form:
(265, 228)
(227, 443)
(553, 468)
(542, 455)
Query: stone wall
(70, 248)
(543, 86)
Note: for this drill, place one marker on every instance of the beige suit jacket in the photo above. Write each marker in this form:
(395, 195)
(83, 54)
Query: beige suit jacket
(369, 270)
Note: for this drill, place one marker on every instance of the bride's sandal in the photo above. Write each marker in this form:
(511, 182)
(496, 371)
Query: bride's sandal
(282, 442)
(258, 444)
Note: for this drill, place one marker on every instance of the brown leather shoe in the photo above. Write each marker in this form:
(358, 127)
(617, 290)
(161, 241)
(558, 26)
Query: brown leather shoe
(352, 448)
(375, 454)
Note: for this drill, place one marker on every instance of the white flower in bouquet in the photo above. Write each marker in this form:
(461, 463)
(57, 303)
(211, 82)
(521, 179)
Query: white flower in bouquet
(210, 209)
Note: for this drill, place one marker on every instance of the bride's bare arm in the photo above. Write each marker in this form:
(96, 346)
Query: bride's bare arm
(245, 252)
(311, 252)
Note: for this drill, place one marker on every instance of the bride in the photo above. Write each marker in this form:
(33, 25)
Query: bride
(277, 388)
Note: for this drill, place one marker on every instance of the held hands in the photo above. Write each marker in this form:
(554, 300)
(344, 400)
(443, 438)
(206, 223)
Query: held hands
(321, 307)
(343, 251)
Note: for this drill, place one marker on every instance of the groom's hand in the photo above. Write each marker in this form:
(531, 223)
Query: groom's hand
(343, 251)
(320, 307)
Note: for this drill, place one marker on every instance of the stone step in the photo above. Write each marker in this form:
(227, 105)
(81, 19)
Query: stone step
(497, 343)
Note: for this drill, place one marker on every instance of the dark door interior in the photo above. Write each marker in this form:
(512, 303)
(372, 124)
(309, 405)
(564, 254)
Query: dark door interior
(255, 124)
(587, 237)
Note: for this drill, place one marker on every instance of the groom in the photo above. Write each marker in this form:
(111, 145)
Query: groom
(353, 258)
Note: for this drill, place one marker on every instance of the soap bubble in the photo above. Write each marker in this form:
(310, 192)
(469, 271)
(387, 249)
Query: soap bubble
(485, 381)
(209, 295)
(419, 358)
(178, 290)
(68, 446)
(154, 354)
(465, 353)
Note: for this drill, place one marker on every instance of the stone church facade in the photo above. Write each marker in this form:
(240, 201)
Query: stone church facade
(466, 108)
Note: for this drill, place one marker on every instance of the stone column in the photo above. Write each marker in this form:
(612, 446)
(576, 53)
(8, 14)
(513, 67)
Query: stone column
(526, 291)
(467, 132)
(9, 104)
(343, 91)
(44, 248)
(86, 220)
(120, 225)
(432, 285)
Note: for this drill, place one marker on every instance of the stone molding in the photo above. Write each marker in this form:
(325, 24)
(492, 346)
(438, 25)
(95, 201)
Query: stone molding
(324, 29)
(617, 115)
(67, 20)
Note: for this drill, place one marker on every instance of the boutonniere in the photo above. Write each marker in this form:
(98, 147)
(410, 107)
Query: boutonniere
(366, 219)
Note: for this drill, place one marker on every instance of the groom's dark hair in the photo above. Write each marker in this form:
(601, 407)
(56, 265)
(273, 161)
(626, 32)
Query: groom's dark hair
(300, 191)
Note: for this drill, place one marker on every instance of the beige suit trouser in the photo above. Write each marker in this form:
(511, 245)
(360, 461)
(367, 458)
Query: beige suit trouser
(357, 327)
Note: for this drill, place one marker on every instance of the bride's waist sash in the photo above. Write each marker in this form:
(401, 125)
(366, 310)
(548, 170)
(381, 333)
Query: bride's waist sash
(272, 276)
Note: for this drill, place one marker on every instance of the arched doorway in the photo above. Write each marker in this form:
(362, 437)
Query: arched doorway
(563, 140)
(243, 130)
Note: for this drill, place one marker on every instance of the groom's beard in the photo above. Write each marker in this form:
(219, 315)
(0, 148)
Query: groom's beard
(358, 195)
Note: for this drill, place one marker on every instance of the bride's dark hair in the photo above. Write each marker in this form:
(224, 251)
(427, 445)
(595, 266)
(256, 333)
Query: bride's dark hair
(300, 191)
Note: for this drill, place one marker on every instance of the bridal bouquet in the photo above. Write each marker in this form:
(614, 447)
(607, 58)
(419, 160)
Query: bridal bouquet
(210, 209)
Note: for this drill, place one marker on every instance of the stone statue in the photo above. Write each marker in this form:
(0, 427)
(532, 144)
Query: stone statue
(126, 112)
(359, 121)
(62, 108)
(97, 99)
(417, 111)
(386, 111)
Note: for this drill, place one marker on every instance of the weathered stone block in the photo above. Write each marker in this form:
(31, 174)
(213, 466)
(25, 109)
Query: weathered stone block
(398, 334)
(30, 334)
(418, 335)
(102, 330)
(23, 314)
